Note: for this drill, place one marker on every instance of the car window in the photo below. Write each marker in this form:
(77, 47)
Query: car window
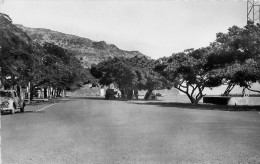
(5, 94)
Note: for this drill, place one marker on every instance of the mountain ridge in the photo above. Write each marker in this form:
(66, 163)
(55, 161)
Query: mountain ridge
(86, 50)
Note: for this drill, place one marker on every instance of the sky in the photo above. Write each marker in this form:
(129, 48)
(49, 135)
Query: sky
(156, 28)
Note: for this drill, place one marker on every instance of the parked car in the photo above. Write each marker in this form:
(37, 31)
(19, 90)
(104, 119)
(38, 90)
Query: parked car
(110, 94)
(159, 95)
(10, 101)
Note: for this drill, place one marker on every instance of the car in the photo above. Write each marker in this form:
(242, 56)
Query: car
(10, 101)
(159, 95)
(110, 94)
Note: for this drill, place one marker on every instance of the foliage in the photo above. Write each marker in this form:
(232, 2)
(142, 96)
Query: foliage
(59, 69)
(23, 61)
(16, 53)
(189, 72)
(237, 56)
(129, 74)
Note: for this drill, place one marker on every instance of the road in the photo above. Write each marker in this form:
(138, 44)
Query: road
(78, 131)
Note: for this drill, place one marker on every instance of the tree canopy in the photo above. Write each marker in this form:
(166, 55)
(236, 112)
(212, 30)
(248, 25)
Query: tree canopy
(16, 52)
(135, 73)
(23, 61)
(189, 72)
(236, 56)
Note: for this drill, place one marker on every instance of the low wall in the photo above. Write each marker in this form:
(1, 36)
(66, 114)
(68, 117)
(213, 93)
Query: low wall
(244, 101)
(221, 100)
(228, 100)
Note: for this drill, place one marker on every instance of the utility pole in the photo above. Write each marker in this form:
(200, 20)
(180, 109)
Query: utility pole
(253, 11)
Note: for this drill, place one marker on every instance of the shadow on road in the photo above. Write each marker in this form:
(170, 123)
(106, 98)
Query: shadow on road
(83, 98)
(201, 106)
(177, 104)
(96, 98)
(25, 112)
(58, 100)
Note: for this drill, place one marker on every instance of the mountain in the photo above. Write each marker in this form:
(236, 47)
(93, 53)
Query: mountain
(86, 50)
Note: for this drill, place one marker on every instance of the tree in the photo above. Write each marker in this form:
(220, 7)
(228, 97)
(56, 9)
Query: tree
(16, 53)
(236, 54)
(148, 78)
(129, 74)
(242, 74)
(59, 69)
(117, 71)
(189, 72)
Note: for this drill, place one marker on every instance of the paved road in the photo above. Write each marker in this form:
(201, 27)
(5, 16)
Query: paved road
(117, 132)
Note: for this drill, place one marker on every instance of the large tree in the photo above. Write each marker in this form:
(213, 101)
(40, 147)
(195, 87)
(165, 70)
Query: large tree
(58, 69)
(189, 72)
(16, 53)
(237, 55)
(129, 74)
(116, 71)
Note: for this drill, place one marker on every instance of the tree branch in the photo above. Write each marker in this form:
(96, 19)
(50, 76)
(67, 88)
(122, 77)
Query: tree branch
(194, 89)
(181, 90)
(253, 90)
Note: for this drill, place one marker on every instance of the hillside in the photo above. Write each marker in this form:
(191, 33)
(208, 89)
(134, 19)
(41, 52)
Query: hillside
(11, 36)
(88, 51)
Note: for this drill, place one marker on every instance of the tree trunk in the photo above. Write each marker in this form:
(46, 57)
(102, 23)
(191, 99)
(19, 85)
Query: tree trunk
(28, 92)
(31, 93)
(45, 93)
(136, 94)
(62, 93)
(193, 99)
(148, 94)
(129, 94)
(50, 92)
(55, 93)
(18, 90)
(123, 93)
(228, 89)
(244, 92)
(58, 92)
